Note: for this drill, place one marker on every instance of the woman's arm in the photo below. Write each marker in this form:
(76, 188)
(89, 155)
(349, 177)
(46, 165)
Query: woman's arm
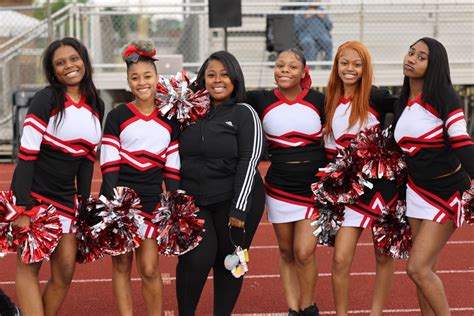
(459, 139)
(255, 98)
(86, 169)
(85, 174)
(34, 127)
(250, 142)
(110, 154)
(171, 172)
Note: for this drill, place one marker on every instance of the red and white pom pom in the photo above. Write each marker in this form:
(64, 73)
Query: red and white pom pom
(392, 233)
(468, 204)
(118, 232)
(8, 209)
(372, 154)
(38, 241)
(378, 155)
(342, 182)
(6, 237)
(8, 213)
(88, 247)
(179, 230)
(327, 220)
(35, 242)
(175, 98)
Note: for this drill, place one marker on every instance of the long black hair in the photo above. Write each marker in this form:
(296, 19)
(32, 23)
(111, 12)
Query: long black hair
(233, 70)
(87, 86)
(437, 86)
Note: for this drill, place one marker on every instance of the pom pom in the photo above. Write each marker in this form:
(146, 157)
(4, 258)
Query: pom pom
(8, 212)
(88, 247)
(6, 237)
(468, 204)
(118, 231)
(35, 242)
(372, 154)
(175, 98)
(327, 220)
(38, 241)
(342, 182)
(378, 155)
(392, 233)
(179, 230)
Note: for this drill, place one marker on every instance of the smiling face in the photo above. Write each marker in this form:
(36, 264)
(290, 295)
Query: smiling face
(288, 71)
(217, 82)
(142, 79)
(68, 66)
(349, 67)
(415, 62)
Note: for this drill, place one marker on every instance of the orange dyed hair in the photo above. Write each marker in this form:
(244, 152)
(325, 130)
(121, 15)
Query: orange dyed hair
(335, 88)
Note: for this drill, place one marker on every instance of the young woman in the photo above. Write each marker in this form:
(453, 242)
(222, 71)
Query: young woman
(219, 156)
(352, 104)
(292, 116)
(139, 149)
(55, 163)
(431, 130)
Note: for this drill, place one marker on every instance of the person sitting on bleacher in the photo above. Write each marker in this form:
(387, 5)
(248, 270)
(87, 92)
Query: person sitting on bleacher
(313, 32)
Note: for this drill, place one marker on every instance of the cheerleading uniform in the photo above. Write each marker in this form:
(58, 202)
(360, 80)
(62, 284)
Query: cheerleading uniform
(138, 151)
(293, 130)
(435, 146)
(57, 151)
(384, 192)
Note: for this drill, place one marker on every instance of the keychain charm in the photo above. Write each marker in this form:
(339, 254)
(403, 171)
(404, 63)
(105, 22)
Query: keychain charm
(236, 262)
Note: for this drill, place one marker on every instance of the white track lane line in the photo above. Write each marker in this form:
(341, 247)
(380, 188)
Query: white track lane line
(167, 279)
(391, 311)
(365, 244)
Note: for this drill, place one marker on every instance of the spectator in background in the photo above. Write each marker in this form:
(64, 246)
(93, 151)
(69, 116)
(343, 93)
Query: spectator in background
(313, 31)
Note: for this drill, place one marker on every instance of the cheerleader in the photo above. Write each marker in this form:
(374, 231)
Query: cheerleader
(55, 163)
(292, 117)
(431, 130)
(139, 149)
(352, 104)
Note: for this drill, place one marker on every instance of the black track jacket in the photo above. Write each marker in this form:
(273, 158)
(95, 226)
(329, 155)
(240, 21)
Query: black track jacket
(220, 155)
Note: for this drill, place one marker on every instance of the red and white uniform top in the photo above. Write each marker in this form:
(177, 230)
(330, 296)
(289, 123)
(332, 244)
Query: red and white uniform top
(139, 150)
(434, 146)
(57, 151)
(293, 128)
(381, 103)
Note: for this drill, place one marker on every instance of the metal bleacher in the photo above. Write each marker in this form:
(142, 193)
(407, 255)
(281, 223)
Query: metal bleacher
(387, 28)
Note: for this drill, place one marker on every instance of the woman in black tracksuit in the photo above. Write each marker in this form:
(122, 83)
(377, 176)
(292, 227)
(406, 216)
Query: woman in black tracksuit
(219, 158)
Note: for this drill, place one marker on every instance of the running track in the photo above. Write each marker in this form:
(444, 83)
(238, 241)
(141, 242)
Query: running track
(262, 294)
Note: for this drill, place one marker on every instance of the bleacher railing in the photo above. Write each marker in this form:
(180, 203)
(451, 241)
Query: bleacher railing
(387, 27)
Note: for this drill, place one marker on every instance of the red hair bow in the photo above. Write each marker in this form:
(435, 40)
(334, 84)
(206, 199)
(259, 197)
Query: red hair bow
(306, 82)
(133, 49)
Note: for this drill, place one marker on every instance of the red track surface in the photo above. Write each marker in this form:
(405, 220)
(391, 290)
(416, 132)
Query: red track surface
(262, 294)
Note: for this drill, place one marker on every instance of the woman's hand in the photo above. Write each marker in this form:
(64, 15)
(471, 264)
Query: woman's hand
(21, 222)
(234, 222)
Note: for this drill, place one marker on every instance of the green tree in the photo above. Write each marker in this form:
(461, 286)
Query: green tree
(55, 6)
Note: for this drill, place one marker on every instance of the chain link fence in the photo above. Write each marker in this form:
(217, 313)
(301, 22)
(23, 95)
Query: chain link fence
(180, 27)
